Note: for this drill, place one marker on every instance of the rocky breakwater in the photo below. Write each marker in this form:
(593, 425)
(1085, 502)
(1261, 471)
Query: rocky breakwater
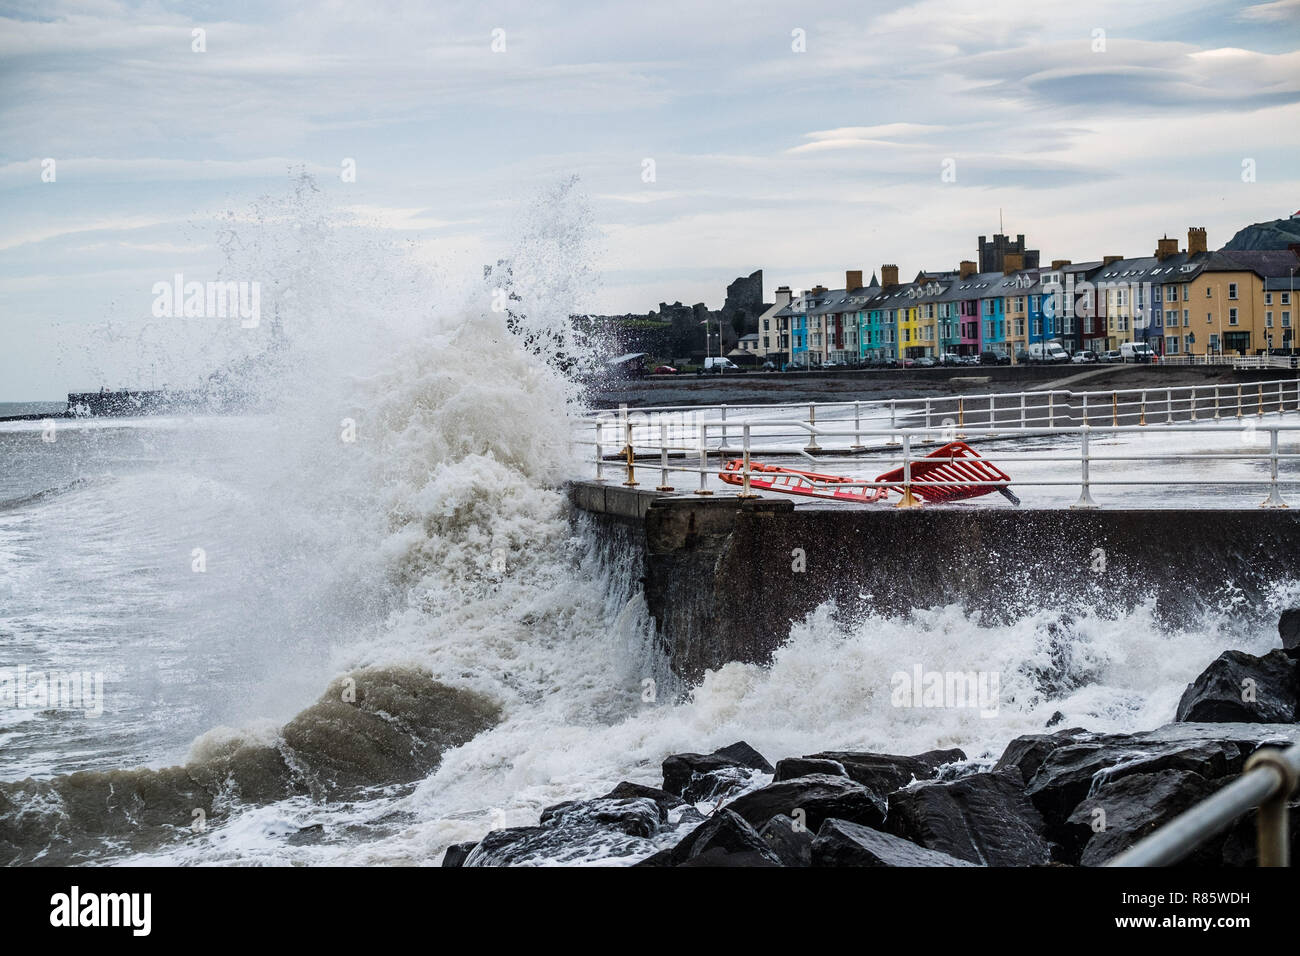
(1070, 797)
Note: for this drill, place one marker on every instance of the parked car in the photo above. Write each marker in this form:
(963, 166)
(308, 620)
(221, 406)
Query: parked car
(832, 364)
(769, 366)
(1084, 357)
(792, 367)
(970, 360)
(950, 358)
(664, 370)
(1112, 356)
(926, 361)
(994, 358)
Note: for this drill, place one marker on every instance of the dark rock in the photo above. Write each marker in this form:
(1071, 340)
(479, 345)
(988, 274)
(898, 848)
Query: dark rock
(1026, 754)
(574, 830)
(984, 818)
(638, 816)
(819, 796)
(697, 777)
(841, 843)
(1288, 628)
(1055, 719)
(1121, 812)
(888, 772)
(724, 839)
(792, 767)
(745, 755)
(790, 841)
(627, 790)
(1071, 771)
(456, 853)
(1217, 695)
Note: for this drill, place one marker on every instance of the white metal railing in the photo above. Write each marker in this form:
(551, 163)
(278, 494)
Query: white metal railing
(1234, 360)
(697, 440)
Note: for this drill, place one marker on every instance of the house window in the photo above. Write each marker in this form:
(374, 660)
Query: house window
(1232, 290)
(1268, 298)
(1208, 292)
(1186, 292)
(1286, 319)
(1171, 345)
(1268, 319)
(1232, 316)
(1286, 298)
(1187, 317)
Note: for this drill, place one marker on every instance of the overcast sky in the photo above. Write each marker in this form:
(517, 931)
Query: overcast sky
(801, 138)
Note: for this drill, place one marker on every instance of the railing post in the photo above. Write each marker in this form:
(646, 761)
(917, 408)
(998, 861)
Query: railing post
(723, 445)
(744, 487)
(1259, 409)
(1085, 409)
(600, 451)
(1085, 490)
(1274, 499)
(704, 460)
(909, 500)
(961, 418)
(1051, 409)
(1193, 403)
(1022, 411)
(1169, 406)
(812, 447)
(857, 428)
(993, 417)
(929, 438)
(1142, 409)
(1114, 409)
(1238, 402)
(1272, 838)
(893, 422)
(663, 457)
(631, 474)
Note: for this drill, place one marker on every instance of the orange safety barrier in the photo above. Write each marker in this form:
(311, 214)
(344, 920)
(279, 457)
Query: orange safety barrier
(971, 476)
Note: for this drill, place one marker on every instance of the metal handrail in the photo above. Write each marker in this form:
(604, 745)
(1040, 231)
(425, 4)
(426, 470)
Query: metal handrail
(1269, 778)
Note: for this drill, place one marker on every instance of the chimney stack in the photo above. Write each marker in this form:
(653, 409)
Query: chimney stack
(1165, 248)
(1107, 260)
(888, 275)
(1196, 239)
(852, 280)
(966, 269)
(783, 296)
(1012, 262)
(818, 289)
(1060, 263)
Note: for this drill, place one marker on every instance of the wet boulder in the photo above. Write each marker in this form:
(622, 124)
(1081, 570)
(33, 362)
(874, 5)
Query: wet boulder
(889, 772)
(664, 800)
(789, 839)
(724, 839)
(1072, 771)
(984, 818)
(572, 831)
(1242, 688)
(841, 843)
(792, 767)
(812, 799)
(1024, 755)
(1288, 628)
(697, 777)
(1121, 812)
(457, 852)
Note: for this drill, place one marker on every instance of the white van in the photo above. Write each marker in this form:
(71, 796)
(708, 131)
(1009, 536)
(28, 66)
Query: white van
(1047, 352)
(1136, 352)
(719, 364)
